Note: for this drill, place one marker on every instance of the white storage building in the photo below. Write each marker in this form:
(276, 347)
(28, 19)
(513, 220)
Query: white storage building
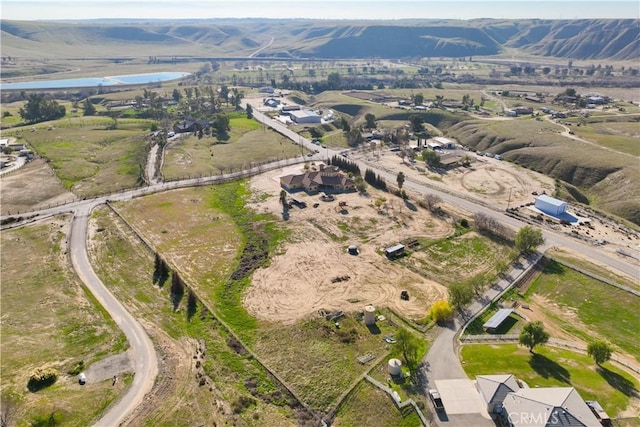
(305, 116)
(550, 206)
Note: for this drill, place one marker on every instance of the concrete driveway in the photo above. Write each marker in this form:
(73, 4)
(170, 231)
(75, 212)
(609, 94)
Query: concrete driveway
(463, 405)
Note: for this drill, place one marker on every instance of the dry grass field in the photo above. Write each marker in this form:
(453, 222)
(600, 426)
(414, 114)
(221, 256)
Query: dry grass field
(49, 320)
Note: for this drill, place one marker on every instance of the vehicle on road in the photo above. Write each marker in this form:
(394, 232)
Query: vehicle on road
(171, 134)
(435, 398)
(82, 378)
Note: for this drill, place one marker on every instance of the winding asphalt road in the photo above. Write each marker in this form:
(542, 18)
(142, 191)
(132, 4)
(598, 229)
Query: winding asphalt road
(143, 356)
(145, 360)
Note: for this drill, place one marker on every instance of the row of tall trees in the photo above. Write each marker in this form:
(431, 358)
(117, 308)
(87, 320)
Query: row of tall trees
(375, 180)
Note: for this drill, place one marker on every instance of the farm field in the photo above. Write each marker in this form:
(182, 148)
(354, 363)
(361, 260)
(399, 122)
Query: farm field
(552, 367)
(50, 320)
(249, 143)
(326, 350)
(586, 308)
(204, 376)
(87, 156)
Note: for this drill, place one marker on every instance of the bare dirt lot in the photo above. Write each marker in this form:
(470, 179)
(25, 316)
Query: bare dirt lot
(302, 278)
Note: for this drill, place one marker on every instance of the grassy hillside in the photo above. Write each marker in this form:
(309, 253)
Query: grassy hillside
(576, 39)
(607, 179)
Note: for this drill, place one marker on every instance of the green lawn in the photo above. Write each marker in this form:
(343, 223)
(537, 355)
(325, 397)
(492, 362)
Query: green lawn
(552, 367)
(602, 310)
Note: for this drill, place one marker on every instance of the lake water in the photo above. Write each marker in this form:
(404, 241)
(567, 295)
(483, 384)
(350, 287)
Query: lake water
(130, 79)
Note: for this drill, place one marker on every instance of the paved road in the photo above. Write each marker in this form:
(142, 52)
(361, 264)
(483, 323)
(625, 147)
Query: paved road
(143, 352)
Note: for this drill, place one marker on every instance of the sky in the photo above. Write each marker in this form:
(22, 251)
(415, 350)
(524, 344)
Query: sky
(316, 9)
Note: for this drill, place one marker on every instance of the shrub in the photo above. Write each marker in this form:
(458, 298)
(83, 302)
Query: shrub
(41, 378)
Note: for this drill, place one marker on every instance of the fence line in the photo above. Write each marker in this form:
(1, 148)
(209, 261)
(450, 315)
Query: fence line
(396, 401)
(597, 277)
(228, 329)
(553, 342)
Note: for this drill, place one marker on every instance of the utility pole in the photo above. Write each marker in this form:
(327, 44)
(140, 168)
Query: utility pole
(509, 201)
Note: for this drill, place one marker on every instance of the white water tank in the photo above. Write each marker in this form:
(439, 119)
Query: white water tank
(395, 367)
(369, 315)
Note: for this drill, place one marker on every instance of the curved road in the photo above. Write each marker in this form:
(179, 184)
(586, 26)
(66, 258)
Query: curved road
(143, 356)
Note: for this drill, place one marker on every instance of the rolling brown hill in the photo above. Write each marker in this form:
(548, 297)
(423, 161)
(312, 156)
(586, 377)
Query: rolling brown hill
(617, 39)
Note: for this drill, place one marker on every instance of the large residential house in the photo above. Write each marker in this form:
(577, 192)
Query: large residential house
(328, 179)
(546, 407)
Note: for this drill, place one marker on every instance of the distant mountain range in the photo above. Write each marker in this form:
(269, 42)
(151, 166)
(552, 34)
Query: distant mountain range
(617, 39)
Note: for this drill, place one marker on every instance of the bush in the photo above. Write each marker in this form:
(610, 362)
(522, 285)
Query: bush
(41, 378)
(77, 368)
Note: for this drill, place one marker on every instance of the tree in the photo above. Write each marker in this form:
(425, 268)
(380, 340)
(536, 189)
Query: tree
(431, 158)
(249, 111)
(221, 124)
(371, 121)
(460, 294)
(432, 202)
(528, 239)
(333, 81)
(39, 109)
(416, 123)
(600, 351)
(532, 334)
(88, 108)
(407, 343)
(400, 179)
(176, 95)
(418, 99)
(441, 311)
(283, 200)
(177, 289)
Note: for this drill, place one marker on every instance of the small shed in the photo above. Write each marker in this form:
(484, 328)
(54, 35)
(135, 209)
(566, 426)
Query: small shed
(496, 320)
(394, 251)
(550, 206)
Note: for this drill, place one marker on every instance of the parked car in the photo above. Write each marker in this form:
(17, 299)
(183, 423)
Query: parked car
(435, 398)
(82, 378)
(171, 134)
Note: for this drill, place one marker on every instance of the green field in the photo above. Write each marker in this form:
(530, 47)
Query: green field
(551, 367)
(602, 310)
(249, 143)
(620, 136)
(457, 258)
(88, 157)
(50, 320)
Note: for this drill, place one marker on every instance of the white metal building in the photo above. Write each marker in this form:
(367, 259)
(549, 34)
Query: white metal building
(305, 116)
(550, 206)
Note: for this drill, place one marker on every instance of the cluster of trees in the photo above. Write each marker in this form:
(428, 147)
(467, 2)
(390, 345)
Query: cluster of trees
(375, 180)
(488, 225)
(39, 108)
(345, 165)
